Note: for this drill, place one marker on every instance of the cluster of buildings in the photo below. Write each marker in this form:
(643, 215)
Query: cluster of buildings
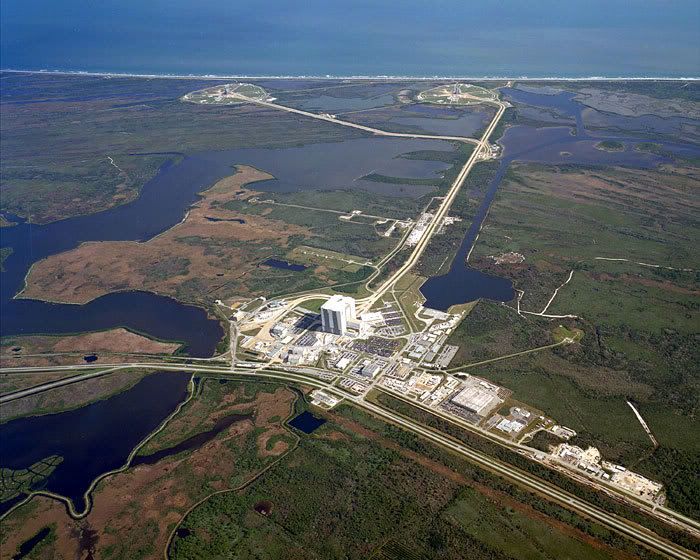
(419, 229)
(359, 362)
(422, 224)
(490, 151)
(425, 387)
(475, 399)
(323, 400)
(590, 461)
(513, 423)
(429, 345)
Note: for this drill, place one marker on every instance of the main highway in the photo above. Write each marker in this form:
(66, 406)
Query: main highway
(513, 474)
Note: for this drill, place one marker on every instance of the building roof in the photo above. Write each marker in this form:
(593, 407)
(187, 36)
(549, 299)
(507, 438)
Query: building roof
(337, 303)
(476, 399)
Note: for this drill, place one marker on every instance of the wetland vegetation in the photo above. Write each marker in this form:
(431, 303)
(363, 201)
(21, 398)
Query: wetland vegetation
(355, 479)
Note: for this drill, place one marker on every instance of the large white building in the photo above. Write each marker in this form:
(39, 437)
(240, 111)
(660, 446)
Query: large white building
(336, 313)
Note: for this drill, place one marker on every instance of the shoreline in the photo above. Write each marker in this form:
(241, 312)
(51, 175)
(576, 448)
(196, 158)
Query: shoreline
(370, 77)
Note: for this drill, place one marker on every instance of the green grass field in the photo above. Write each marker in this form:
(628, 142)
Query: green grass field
(638, 323)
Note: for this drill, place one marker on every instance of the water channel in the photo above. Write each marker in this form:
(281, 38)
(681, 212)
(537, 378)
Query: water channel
(552, 145)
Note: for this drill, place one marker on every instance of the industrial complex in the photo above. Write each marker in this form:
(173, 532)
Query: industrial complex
(365, 351)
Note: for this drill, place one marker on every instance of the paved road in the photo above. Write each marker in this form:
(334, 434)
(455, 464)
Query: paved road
(233, 342)
(522, 478)
(439, 215)
(619, 524)
(377, 131)
(59, 383)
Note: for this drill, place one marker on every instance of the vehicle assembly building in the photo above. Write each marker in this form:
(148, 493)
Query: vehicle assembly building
(477, 400)
(336, 313)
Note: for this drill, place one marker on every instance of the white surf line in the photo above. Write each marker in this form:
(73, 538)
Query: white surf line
(571, 275)
(645, 264)
(644, 424)
(370, 77)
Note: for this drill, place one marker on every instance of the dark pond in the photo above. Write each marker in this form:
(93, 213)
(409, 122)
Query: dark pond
(27, 546)
(92, 439)
(182, 533)
(263, 507)
(554, 145)
(284, 265)
(307, 422)
(193, 442)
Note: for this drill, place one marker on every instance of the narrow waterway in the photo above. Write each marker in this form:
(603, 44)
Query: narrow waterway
(551, 145)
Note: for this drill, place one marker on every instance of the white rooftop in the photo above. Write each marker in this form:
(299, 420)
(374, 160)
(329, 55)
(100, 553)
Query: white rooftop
(476, 399)
(338, 303)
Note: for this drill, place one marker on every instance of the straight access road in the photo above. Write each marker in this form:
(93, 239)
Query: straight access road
(328, 118)
(441, 213)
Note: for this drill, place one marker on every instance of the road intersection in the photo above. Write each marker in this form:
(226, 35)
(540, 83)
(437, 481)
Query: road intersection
(286, 374)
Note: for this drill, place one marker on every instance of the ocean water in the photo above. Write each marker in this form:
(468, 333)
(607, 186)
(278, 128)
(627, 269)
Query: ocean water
(328, 37)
